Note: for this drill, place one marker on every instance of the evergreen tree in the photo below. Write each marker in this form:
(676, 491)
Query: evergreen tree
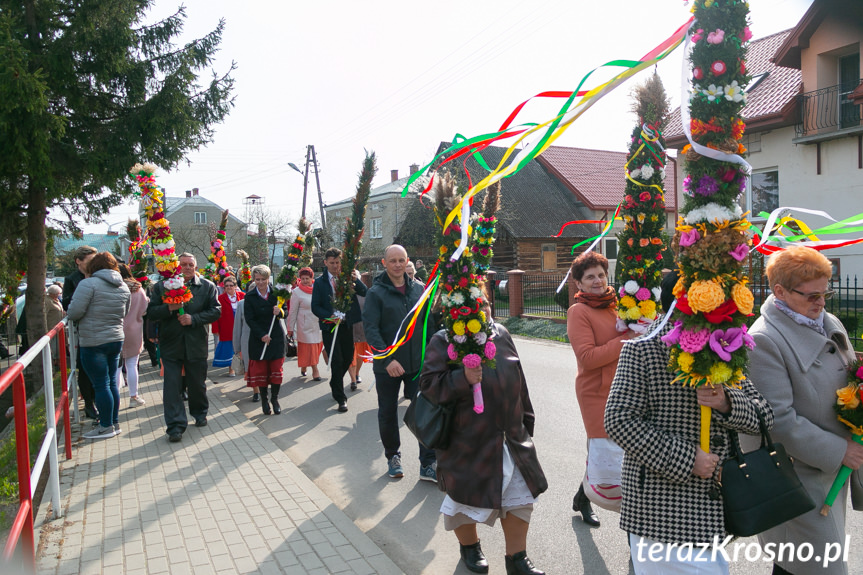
(86, 91)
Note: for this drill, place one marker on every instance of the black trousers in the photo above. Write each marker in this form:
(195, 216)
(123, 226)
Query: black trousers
(172, 398)
(342, 355)
(85, 386)
(388, 388)
(149, 346)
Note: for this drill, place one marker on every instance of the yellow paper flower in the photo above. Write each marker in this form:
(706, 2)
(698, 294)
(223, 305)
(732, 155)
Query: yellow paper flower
(678, 290)
(474, 326)
(458, 328)
(848, 397)
(705, 295)
(651, 316)
(633, 313)
(720, 372)
(443, 250)
(647, 307)
(481, 316)
(627, 301)
(685, 361)
(743, 298)
(621, 314)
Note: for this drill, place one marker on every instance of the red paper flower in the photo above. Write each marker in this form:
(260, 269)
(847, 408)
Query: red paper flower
(718, 68)
(723, 313)
(697, 73)
(644, 197)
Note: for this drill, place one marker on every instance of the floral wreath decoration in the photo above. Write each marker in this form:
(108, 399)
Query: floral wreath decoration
(217, 268)
(245, 275)
(159, 232)
(137, 256)
(284, 283)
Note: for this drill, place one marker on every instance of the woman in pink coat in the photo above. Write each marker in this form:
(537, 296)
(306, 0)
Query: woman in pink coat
(133, 334)
(304, 325)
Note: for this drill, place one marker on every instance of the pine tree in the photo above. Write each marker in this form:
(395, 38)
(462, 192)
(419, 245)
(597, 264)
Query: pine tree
(87, 89)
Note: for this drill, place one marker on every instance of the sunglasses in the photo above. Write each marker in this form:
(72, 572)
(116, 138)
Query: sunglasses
(815, 296)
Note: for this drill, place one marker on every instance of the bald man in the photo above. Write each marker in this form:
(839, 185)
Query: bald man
(388, 301)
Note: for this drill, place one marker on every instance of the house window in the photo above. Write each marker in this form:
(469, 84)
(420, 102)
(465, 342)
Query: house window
(836, 276)
(763, 193)
(752, 142)
(611, 248)
(849, 79)
(549, 257)
(200, 218)
(376, 228)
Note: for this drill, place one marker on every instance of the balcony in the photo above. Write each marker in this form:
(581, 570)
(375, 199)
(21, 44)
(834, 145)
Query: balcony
(827, 114)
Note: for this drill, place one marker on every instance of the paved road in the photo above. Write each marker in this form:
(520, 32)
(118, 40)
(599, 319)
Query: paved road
(343, 455)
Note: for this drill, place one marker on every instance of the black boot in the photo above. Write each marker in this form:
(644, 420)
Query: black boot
(473, 558)
(520, 564)
(90, 410)
(274, 388)
(256, 396)
(581, 504)
(265, 405)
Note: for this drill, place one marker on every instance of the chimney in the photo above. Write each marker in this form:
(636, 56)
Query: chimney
(113, 233)
(414, 169)
(194, 191)
(394, 175)
(188, 193)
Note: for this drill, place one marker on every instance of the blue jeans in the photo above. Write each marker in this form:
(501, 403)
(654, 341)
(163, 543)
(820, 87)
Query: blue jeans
(101, 363)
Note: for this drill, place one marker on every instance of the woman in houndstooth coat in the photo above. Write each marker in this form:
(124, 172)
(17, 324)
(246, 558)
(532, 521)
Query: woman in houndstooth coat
(668, 483)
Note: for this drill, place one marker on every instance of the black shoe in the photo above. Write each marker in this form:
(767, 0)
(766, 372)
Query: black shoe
(581, 504)
(343, 407)
(265, 407)
(201, 422)
(277, 409)
(175, 437)
(520, 564)
(473, 558)
(359, 380)
(256, 397)
(353, 386)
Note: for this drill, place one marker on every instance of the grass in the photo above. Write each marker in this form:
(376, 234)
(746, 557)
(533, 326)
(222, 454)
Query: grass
(8, 463)
(539, 328)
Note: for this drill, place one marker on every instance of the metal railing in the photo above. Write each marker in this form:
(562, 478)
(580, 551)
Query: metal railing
(22, 526)
(540, 297)
(827, 109)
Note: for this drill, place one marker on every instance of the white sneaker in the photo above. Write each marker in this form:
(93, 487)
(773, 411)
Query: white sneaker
(117, 429)
(101, 433)
(136, 401)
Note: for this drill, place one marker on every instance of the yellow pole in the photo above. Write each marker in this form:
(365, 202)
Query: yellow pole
(706, 414)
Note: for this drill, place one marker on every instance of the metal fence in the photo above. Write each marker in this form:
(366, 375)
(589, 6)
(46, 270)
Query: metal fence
(540, 297)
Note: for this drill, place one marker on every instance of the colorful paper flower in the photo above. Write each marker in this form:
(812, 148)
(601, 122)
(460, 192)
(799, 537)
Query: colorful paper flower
(689, 238)
(471, 360)
(685, 361)
(720, 373)
(718, 68)
(734, 92)
(694, 340)
(743, 298)
(740, 252)
(716, 37)
(705, 295)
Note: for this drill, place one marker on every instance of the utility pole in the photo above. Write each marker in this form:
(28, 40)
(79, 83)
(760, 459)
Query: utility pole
(320, 195)
(306, 178)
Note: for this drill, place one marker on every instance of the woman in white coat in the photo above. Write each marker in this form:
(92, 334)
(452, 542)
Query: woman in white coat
(799, 361)
(304, 324)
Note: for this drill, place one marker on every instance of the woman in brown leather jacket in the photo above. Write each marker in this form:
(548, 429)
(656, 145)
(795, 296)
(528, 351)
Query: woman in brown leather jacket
(490, 468)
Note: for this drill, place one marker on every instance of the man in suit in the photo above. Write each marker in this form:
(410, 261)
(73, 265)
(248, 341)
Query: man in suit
(183, 339)
(342, 350)
(82, 255)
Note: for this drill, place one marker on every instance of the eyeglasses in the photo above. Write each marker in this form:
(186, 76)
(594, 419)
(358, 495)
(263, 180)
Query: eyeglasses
(815, 296)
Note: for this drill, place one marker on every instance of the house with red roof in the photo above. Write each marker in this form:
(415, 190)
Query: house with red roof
(804, 132)
(596, 178)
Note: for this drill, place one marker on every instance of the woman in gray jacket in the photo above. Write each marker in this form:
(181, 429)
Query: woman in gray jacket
(799, 361)
(99, 305)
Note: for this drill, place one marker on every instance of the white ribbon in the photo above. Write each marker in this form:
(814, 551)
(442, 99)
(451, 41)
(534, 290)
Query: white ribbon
(781, 212)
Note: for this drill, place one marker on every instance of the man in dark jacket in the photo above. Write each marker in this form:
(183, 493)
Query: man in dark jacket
(82, 255)
(342, 350)
(183, 339)
(388, 301)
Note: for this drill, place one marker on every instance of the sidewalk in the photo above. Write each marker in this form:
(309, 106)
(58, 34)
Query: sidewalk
(224, 500)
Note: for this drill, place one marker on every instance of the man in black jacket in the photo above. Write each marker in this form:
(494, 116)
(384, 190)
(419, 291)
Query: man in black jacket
(82, 255)
(342, 349)
(183, 340)
(388, 301)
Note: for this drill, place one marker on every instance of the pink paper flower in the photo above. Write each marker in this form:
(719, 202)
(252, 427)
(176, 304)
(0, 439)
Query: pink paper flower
(472, 360)
(747, 34)
(860, 372)
(642, 294)
(689, 238)
(693, 341)
(697, 73)
(490, 349)
(718, 68)
(451, 352)
(699, 34)
(673, 336)
(740, 252)
(716, 37)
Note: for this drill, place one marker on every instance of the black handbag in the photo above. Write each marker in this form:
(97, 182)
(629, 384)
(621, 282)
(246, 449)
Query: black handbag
(760, 489)
(430, 422)
(290, 347)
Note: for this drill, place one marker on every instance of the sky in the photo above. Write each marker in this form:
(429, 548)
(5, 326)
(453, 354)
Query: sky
(399, 77)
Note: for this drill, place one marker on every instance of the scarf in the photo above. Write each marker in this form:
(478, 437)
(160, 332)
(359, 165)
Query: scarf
(305, 289)
(816, 324)
(604, 300)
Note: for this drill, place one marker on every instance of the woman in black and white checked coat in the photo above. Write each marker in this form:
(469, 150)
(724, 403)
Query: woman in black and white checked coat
(669, 492)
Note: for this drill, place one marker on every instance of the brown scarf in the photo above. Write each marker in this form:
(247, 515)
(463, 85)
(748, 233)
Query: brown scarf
(607, 299)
